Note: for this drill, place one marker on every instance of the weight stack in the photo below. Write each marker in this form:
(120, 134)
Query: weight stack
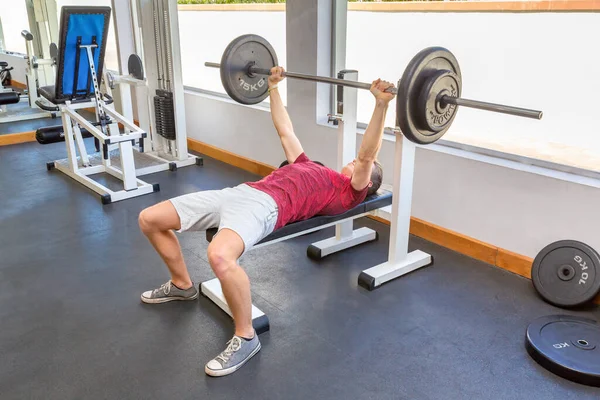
(164, 113)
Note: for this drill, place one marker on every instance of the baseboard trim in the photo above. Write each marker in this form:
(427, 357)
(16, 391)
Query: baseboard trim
(454, 241)
(227, 157)
(488, 253)
(18, 85)
(16, 138)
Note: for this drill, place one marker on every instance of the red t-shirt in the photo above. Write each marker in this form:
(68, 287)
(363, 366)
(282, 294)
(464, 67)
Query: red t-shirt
(305, 189)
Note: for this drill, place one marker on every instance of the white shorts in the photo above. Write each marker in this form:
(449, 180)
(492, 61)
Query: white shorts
(250, 213)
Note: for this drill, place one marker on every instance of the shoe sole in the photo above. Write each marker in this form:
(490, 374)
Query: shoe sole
(227, 371)
(168, 299)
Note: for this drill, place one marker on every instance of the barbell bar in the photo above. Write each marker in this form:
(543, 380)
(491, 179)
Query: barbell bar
(428, 92)
(481, 105)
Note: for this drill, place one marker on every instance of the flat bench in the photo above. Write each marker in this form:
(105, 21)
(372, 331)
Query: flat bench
(373, 202)
(260, 322)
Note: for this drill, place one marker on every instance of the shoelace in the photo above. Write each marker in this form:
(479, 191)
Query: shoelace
(232, 346)
(165, 287)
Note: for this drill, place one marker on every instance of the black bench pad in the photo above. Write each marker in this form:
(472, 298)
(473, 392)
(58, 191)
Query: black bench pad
(49, 93)
(375, 201)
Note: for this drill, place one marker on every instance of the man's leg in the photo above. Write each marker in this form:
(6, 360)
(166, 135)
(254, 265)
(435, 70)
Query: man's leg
(223, 254)
(157, 223)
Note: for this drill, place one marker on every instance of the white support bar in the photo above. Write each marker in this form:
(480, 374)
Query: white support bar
(376, 276)
(84, 180)
(66, 110)
(402, 191)
(85, 160)
(98, 169)
(128, 166)
(81, 177)
(70, 143)
(181, 151)
(332, 245)
(345, 236)
(212, 289)
(400, 262)
(126, 123)
(119, 175)
(82, 105)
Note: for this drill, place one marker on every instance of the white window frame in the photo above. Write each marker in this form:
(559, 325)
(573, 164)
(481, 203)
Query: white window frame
(338, 57)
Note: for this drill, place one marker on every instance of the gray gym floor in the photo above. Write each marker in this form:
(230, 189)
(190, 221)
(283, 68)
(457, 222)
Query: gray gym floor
(73, 327)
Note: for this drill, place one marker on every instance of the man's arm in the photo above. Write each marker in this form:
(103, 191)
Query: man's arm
(371, 143)
(281, 119)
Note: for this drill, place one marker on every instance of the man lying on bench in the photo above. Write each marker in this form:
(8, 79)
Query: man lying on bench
(249, 212)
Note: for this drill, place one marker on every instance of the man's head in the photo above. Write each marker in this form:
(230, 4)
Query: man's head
(376, 175)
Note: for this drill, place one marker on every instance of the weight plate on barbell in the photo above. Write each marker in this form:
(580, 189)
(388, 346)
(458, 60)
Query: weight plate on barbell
(567, 273)
(420, 72)
(240, 54)
(435, 114)
(567, 346)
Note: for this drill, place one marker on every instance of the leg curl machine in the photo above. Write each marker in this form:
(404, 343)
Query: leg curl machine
(80, 62)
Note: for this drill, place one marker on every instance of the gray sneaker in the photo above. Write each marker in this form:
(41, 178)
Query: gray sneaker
(169, 292)
(236, 354)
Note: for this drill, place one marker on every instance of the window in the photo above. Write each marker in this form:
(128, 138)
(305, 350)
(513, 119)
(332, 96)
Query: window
(14, 20)
(204, 35)
(520, 59)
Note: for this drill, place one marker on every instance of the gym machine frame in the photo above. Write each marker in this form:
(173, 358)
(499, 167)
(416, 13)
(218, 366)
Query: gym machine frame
(151, 28)
(109, 138)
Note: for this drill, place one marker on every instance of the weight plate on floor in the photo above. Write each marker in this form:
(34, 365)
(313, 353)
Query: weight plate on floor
(135, 66)
(567, 273)
(239, 55)
(422, 70)
(567, 346)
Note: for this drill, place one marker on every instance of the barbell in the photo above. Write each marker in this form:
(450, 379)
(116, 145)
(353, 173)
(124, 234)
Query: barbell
(428, 94)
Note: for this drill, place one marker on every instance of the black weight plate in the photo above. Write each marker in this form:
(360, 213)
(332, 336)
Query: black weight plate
(135, 66)
(242, 52)
(567, 273)
(419, 71)
(567, 346)
(53, 51)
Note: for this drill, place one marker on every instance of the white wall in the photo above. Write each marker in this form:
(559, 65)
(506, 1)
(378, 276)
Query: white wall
(513, 207)
(222, 27)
